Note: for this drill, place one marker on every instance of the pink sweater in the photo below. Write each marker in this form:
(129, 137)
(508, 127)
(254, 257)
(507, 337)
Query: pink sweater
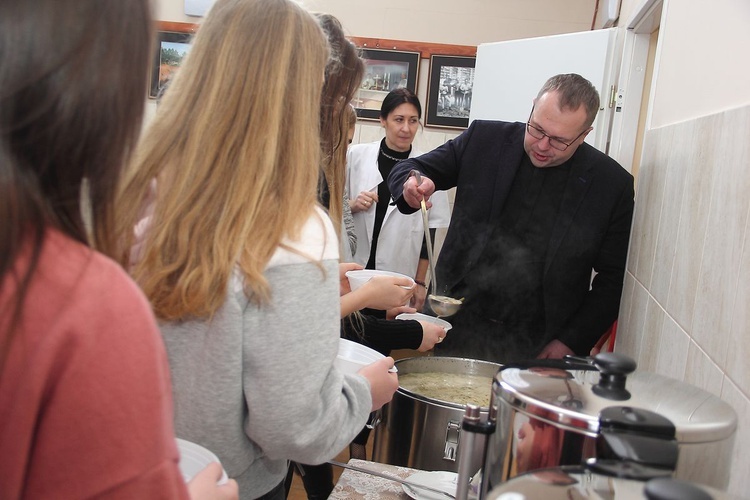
(85, 395)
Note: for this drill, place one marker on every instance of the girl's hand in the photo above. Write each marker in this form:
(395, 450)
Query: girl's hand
(345, 267)
(204, 485)
(431, 334)
(382, 382)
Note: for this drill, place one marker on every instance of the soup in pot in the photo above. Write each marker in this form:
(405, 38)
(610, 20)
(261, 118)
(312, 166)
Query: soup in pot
(457, 388)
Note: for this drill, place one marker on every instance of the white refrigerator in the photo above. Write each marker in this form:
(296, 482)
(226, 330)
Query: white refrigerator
(509, 74)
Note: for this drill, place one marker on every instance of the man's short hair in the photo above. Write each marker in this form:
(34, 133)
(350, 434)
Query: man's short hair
(574, 91)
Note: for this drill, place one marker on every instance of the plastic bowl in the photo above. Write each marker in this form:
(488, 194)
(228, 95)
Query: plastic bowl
(194, 458)
(362, 276)
(353, 356)
(425, 317)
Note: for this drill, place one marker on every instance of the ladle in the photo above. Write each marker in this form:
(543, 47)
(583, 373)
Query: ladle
(428, 237)
(442, 305)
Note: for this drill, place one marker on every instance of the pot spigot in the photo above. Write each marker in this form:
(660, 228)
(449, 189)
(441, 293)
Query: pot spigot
(471, 426)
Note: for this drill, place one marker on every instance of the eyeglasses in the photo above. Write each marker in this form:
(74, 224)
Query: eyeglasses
(555, 142)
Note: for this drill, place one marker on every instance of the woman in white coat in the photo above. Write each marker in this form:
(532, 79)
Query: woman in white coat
(386, 238)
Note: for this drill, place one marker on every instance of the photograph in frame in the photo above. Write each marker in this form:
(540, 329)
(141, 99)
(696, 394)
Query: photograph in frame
(169, 51)
(449, 91)
(385, 70)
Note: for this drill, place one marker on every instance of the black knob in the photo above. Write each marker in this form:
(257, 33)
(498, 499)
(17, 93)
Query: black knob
(673, 489)
(611, 363)
(614, 369)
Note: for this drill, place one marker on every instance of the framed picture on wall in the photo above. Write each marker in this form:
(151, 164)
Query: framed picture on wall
(170, 48)
(385, 70)
(449, 91)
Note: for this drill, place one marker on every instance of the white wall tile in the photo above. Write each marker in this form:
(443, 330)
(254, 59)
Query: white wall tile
(673, 350)
(623, 318)
(717, 281)
(370, 132)
(429, 139)
(651, 336)
(631, 340)
(644, 183)
(676, 164)
(738, 367)
(739, 479)
(701, 372)
(651, 178)
(693, 220)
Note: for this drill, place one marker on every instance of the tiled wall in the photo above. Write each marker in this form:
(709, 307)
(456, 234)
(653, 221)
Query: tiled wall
(685, 308)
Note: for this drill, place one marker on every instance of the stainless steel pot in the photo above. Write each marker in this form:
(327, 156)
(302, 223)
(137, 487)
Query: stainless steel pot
(422, 432)
(551, 416)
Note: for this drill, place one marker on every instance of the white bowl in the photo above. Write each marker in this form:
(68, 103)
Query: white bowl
(362, 276)
(425, 317)
(194, 458)
(352, 356)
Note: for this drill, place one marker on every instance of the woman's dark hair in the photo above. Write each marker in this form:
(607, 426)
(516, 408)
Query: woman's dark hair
(72, 88)
(397, 97)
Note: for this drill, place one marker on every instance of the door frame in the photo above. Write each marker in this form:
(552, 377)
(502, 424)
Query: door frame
(626, 123)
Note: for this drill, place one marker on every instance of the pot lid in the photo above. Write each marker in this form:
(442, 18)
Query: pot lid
(572, 393)
(577, 482)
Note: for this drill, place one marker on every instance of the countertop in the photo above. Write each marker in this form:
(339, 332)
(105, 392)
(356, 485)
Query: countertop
(360, 486)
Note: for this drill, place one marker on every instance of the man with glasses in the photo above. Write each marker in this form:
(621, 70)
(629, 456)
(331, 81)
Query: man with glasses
(537, 213)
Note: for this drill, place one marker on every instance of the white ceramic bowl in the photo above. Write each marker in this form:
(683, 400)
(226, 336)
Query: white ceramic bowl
(194, 458)
(425, 317)
(353, 356)
(362, 276)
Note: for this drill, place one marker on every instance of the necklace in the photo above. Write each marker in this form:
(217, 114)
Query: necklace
(389, 156)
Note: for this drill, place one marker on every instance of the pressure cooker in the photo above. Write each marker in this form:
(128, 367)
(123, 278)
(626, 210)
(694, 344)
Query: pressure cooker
(586, 483)
(552, 413)
(636, 457)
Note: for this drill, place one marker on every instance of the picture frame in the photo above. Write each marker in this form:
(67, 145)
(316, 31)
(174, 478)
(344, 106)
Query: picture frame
(169, 50)
(385, 70)
(449, 91)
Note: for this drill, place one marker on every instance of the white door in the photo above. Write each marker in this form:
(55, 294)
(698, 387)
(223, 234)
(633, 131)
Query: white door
(509, 74)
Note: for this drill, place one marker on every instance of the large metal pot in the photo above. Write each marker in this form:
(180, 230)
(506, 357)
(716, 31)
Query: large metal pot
(550, 417)
(425, 433)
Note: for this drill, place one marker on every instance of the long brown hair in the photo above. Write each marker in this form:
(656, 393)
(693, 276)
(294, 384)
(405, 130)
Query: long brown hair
(343, 77)
(72, 80)
(235, 152)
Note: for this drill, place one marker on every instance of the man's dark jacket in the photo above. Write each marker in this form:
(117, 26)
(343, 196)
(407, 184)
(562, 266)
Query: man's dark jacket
(591, 232)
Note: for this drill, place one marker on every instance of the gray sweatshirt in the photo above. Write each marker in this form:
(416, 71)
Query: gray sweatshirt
(257, 385)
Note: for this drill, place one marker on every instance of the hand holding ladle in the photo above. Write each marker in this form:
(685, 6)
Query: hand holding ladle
(442, 305)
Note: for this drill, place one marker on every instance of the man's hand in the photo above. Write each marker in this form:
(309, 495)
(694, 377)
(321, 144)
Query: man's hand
(414, 193)
(555, 350)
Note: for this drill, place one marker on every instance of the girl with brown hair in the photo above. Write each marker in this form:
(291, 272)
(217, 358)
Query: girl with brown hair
(85, 396)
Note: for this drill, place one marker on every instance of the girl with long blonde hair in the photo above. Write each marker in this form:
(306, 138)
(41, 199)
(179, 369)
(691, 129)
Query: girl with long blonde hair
(235, 255)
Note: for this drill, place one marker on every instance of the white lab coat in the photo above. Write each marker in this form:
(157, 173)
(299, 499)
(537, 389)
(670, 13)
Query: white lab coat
(400, 239)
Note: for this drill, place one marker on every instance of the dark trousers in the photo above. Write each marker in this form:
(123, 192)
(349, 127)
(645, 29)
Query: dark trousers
(317, 479)
(278, 493)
